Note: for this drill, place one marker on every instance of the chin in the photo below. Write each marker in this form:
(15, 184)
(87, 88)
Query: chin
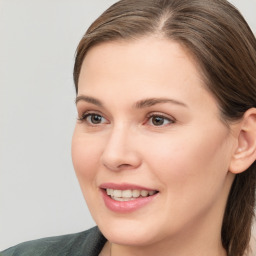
(128, 236)
(129, 231)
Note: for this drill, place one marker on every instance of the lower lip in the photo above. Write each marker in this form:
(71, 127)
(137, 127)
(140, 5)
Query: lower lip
(126, 206)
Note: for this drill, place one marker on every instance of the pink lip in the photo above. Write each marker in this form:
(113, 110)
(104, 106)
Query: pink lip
(125, 206)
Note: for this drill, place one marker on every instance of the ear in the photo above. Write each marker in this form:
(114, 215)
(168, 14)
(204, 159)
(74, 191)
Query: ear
(245, 151)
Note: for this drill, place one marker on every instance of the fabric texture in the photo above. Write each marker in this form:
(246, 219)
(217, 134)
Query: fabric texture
(86, 243)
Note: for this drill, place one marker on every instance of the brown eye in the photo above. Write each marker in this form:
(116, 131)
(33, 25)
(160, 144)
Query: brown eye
(95, 119)
(158, 120)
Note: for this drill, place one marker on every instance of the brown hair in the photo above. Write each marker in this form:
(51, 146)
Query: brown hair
(225, 48)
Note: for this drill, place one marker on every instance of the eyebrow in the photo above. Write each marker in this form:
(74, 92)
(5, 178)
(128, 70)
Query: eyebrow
(153, 101)
(89, 100)
(139, 104)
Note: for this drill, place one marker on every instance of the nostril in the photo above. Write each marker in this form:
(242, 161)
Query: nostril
(119, 167)
(124, 166)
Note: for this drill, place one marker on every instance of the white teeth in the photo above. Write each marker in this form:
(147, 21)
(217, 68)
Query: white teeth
(123, 198)
(144, 193)
(151, 193)
(135, 193)
(117, 193)
(109, 191)
(128, 194)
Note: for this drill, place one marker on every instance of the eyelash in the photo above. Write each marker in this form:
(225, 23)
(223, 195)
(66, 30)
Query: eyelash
(170, 120)
(85, 115)
(149, 117)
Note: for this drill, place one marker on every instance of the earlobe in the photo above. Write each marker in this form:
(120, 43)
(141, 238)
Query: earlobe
(245, 152)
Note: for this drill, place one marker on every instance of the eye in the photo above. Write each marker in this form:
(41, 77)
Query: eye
(93, 118)
(159, 120)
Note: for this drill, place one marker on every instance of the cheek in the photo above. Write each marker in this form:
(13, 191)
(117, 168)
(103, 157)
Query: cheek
(85, 157)
(192, 171)
(195, 162)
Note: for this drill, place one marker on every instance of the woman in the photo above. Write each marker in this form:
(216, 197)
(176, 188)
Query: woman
(165, 143)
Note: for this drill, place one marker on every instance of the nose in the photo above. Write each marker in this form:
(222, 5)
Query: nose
(120, 151)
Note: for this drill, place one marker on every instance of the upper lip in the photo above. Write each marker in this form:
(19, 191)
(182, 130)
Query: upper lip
(124, 186)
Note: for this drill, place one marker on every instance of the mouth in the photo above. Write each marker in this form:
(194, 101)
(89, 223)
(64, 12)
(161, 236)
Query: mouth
(128, 194)
(126, 198)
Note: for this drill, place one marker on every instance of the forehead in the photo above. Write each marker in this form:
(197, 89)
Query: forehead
(150, 53)
(148, 67)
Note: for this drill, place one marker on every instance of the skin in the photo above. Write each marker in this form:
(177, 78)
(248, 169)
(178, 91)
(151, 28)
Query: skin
(186, 158)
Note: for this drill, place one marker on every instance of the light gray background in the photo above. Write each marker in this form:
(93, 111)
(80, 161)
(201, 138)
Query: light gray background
(39, 193)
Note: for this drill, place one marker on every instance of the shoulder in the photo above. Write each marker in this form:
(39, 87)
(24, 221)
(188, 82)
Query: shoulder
(89, 242)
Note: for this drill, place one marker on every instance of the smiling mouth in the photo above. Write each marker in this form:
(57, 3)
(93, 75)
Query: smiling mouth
(129, 194)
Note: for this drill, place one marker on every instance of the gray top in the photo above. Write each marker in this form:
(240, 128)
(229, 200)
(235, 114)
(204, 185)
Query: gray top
(86, 243)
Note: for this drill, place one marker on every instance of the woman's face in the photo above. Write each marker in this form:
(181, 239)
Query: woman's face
(150, 135)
